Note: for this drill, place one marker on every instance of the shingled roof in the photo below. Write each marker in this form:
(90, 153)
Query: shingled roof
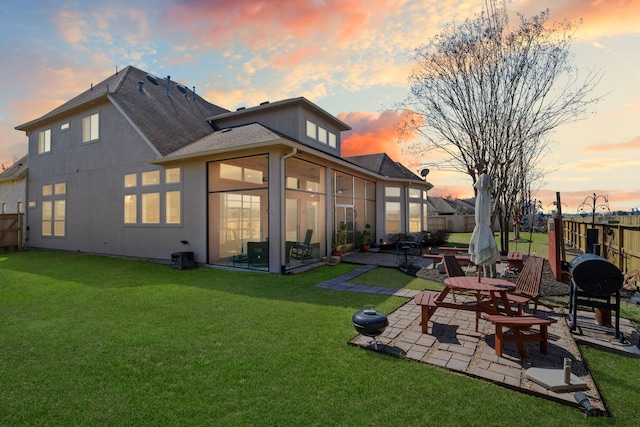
(384, 166)
(167, 122)
(17, 170)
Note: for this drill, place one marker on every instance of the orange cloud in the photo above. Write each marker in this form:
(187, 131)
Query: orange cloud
(600, 18)
(633, 144)
(571, 200)
(372, 133)
(455, 192)
(265, 25)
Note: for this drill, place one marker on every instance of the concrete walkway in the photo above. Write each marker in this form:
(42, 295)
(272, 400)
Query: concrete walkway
(452, 343)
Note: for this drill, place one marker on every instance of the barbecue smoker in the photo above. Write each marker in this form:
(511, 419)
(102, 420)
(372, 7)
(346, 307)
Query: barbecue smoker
(370, 323)
(594, 282)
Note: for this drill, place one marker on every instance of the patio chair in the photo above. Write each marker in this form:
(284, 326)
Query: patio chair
(302, 250)
(452, 268)
(258, 254)
(528, 285)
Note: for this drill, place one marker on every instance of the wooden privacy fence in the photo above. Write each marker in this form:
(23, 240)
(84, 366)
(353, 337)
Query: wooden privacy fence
(452, 223)
(10, 232)
(618, 242)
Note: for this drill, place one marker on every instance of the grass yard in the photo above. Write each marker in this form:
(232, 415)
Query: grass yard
(94, 341)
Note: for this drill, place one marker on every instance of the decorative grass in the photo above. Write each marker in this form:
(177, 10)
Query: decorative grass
(89, 340)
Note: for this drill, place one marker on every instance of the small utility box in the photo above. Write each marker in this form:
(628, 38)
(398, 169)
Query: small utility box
(182, 260)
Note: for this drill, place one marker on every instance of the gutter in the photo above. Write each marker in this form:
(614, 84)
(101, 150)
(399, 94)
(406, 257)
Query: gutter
(283, 207)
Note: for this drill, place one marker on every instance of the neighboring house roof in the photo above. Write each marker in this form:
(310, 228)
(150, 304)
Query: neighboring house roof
(465, 206)
(442, 206)
(17, 170)
(167, 122)
(384, 166)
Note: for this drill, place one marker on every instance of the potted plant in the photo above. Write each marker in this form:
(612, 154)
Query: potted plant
(340, 239)
(366, 238)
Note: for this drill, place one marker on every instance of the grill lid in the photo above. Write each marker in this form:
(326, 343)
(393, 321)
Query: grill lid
(369, 322)
(596, 275)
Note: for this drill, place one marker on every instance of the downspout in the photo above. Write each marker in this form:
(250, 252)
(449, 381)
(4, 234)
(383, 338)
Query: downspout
(283, 207)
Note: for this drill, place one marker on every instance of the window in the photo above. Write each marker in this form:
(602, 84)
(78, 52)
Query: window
(322, 135)
(54, 210)
(414, 193)
(20, 207)
(311, 129)
(392, 217)
(172, 176)
(64, 126)
(162, 205)
(44, 141)
(415, 217)
(90, 126)
(130, 180)
(392, 192)
(130, 208)
(4, 208)
(151, 178)
(332, 140)
(151, 208)
(172, 207)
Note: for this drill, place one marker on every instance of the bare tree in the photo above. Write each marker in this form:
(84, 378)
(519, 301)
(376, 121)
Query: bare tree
(486, 96)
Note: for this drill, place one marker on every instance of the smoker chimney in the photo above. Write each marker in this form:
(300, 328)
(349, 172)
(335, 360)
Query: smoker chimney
(167, 92)
(141, 86)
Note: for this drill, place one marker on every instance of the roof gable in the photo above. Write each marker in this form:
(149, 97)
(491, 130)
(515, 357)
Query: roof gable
(17, 170)
(384, 166)
(168, 121)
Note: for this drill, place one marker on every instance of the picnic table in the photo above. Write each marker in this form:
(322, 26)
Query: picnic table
(490, 295)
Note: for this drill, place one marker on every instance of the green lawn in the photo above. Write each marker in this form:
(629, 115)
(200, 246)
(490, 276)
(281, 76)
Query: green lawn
(94, 341)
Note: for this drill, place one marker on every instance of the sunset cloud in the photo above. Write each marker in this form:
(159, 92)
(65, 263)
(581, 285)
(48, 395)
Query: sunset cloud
(258, 25)
(372, 133)
(600, 18)
(632, 144)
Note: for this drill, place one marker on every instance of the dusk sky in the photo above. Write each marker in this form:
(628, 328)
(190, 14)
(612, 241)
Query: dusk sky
(350, 57)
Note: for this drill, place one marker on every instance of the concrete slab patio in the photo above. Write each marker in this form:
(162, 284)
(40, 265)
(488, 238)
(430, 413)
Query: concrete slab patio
(453, 344)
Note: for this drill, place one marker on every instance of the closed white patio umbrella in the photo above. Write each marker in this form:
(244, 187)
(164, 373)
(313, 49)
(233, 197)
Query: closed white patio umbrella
(483, 250)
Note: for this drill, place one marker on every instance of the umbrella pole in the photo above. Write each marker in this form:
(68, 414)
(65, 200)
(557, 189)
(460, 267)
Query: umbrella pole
(479, 273)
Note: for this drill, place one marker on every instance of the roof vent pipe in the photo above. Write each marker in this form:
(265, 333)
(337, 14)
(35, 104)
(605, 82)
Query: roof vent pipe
(194, 93)
(91, 90)
(141, 86)
(167, 92)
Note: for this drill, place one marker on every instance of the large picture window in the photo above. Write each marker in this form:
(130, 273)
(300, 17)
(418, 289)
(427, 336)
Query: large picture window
(305, 212)
(238, 212)
(354, 201)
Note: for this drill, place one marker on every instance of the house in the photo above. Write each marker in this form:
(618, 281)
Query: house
(13, 187)
(142, 166)
(13, 194)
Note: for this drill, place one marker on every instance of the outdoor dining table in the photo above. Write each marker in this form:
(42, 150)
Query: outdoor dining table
(490, 294)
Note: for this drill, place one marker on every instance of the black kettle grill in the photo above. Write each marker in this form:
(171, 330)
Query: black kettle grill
(594, 280)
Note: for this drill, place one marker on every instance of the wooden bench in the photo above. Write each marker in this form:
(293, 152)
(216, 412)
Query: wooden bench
(448, 249)
(514, 260)
(464, 259)
(426, 301)
(518, 324)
